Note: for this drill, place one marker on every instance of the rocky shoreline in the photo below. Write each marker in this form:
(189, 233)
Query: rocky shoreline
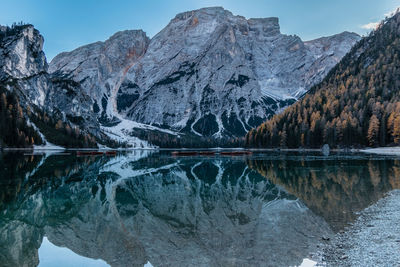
(373, 240)
(383, 150)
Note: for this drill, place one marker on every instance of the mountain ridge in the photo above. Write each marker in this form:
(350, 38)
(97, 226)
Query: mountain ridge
(356, 105)
(167, 86)
(208, 74)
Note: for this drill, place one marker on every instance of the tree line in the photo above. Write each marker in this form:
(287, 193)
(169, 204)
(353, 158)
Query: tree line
(17, 126)
(185, 140)
(14, 128)
(60, 132)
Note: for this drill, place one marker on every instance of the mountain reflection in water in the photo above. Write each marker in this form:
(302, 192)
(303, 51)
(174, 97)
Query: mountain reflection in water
(142, 206)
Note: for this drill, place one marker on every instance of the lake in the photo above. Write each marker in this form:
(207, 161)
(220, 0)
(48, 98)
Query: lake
(147, 208)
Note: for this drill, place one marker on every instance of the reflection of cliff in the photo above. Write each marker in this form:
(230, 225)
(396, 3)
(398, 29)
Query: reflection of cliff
(24, 180)
(13, 170)
(333, 189)
(203, 212)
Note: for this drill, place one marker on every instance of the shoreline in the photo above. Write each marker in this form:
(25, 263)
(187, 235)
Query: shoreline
(391, 151)
(382, 150)
(372, 240)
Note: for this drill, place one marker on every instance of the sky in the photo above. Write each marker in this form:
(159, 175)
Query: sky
(69, 24)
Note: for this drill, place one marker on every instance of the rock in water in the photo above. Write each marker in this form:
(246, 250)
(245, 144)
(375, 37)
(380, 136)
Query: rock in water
(325, 150)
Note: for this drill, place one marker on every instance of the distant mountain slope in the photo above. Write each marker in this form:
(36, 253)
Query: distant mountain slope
(207, 73)
(357, 104)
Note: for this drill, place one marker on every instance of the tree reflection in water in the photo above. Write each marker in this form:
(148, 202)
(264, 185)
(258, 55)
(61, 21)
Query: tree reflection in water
(144, 207)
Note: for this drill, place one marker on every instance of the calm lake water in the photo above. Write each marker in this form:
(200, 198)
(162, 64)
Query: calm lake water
(148, 208)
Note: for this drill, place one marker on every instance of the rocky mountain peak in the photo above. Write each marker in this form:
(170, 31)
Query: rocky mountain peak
(119, 47)
(215, 74)
(206, 12)
(221, 16)
(99, 68)
(265, 25)
(23, 64)
(21, 54)
(208, 72)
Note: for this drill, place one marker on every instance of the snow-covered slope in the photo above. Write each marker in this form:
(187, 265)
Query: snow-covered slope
(207, 72)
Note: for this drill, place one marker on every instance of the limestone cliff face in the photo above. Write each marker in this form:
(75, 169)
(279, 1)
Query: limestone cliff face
(23, 63)
(24, 70)
(100, 68)
(207, 72)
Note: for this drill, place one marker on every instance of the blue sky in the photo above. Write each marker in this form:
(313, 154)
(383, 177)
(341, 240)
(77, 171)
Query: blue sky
(66, 25)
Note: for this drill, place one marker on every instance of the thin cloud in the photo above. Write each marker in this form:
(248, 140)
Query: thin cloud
(374, 25)
(370, 26)
(392, 13)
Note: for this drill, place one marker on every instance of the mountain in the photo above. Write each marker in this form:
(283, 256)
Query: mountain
(23, 63)
(27, 113)
(100, 68)
(357, 104)
(207, 73)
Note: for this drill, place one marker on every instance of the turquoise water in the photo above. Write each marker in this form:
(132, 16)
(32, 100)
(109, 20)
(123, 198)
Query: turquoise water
(149, 208)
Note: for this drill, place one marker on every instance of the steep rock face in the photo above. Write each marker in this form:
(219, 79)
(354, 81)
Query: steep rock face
(329, 51)
(368, 105)
(214, 74)
(22, 62)
(207, 72)
(24, 70)
(99, 68)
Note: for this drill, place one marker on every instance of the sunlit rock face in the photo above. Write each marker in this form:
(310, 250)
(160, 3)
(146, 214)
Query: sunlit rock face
(207, 72)
(133, 209)
(22, 54)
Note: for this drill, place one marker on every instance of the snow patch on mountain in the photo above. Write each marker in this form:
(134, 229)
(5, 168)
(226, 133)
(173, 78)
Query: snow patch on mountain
(47, 145)
(208, 72)
(122, 133)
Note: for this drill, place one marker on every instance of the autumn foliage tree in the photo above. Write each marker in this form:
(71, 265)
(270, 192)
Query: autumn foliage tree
(373, 131)
(356, 105)
(15, 131)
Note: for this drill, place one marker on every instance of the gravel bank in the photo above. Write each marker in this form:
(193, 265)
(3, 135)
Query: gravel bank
(373, 240)
(383, 151)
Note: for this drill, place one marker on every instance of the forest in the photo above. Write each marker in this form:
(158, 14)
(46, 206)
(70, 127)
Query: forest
(60, 132)
(356, 105)
(17, 126)
(184, 140)
(14, 129)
